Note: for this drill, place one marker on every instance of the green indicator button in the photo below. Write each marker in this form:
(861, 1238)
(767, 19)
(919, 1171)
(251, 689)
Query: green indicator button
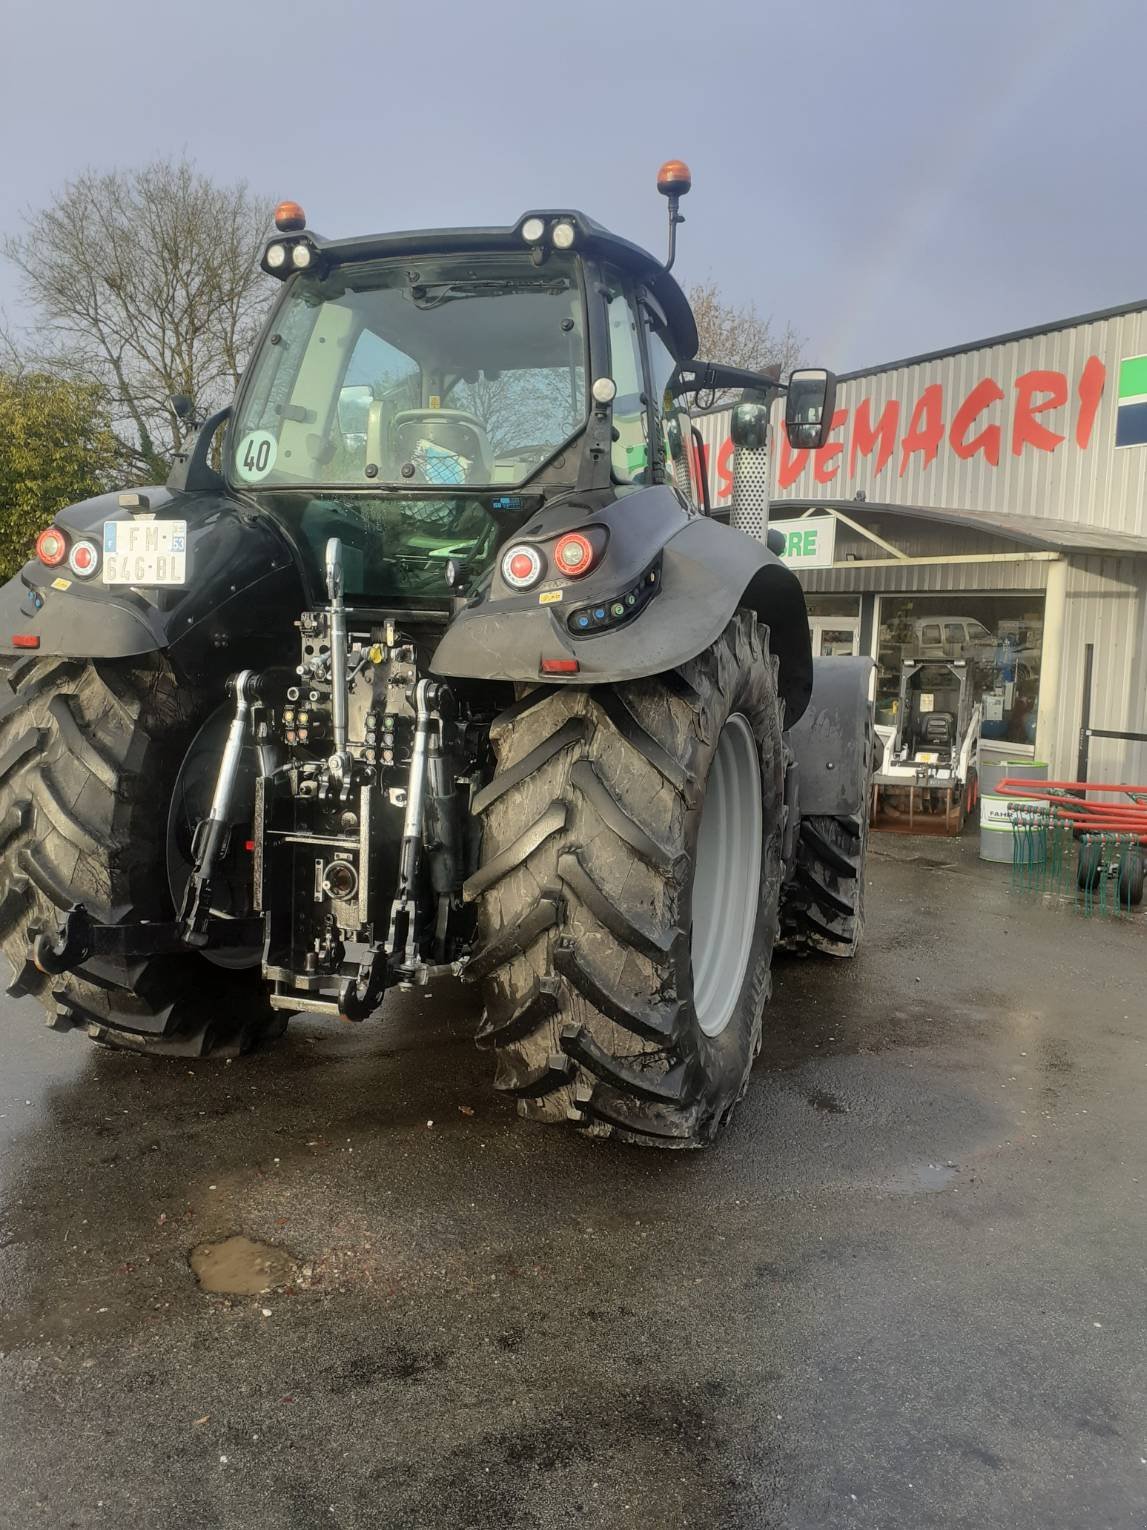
(617, 608)
(631, 600)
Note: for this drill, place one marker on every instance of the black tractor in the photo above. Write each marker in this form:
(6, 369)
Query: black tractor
(430, 660)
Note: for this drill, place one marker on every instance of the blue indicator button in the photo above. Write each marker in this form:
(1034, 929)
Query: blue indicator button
(583, 620)
(599, 613)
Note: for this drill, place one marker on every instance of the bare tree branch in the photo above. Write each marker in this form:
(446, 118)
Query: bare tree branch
(738, 335)
(146, 283)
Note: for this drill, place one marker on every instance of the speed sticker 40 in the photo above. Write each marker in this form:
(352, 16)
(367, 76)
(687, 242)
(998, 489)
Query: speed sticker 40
(256, 455)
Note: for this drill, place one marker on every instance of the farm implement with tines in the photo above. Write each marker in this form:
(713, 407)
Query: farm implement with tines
(1048, 818)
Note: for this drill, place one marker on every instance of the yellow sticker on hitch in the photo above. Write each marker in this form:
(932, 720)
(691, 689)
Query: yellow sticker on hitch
(61, 584)
(549, 597)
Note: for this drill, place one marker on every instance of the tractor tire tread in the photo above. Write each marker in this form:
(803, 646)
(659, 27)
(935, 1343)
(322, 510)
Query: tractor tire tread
(583, 935)
(82, 746)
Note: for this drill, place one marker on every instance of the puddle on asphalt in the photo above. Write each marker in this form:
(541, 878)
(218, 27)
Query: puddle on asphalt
(241, 1267)
(921, 1176)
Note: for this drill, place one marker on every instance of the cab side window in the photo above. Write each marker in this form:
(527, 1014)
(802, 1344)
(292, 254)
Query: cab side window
(673, 419)
(630, 457)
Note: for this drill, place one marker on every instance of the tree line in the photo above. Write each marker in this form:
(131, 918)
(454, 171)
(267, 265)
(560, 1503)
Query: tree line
(143, 285)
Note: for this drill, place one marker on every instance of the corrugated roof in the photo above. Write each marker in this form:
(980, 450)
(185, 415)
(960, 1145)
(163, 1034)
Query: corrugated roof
(1028, 530)
(985, 344)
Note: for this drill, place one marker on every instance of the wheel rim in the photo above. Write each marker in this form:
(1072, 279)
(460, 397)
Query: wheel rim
(727, 880)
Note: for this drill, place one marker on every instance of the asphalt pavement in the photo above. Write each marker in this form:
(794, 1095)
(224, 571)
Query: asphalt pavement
(908, 1289)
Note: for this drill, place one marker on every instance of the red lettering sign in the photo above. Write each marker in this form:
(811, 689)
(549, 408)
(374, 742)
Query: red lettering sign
(725, 469)
(865, 435)
(1090, 390)
(829, 452)
(926, 428)
(988, 440)
(1026, 429)
(1029, 409)
(790, 464)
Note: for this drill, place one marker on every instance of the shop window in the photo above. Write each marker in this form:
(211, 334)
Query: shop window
(833, 625)
(1000, 637)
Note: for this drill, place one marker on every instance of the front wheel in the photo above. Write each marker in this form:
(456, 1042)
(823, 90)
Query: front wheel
(627, 894)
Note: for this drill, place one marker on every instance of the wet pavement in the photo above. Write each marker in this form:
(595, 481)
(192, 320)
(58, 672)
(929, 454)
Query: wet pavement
(908, 1289)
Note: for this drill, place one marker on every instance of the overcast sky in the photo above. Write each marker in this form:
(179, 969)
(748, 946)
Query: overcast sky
(892, 177)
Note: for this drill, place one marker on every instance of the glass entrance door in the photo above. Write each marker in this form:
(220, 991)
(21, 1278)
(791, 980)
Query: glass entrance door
(834, 635)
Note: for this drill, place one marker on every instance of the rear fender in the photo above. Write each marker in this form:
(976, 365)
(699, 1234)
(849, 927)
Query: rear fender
(244, 589)
(832, 741)
(705, 571)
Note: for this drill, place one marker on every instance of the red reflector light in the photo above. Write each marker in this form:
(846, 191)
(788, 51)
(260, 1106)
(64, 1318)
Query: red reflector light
(574, 555)
(560, 666)
(51, 546)
(25, 640)
(249, 846)
(83, 558)
(522, 566)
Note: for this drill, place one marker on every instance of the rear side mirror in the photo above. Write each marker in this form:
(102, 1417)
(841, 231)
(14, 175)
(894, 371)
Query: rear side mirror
(809, 408)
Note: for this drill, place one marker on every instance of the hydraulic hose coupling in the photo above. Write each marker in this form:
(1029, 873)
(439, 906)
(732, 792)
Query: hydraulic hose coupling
(750, 432)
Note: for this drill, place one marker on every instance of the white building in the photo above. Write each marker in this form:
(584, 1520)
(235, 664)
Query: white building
(987, 502)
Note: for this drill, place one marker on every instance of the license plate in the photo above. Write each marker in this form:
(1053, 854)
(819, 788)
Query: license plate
(927, 757)
(145, 552)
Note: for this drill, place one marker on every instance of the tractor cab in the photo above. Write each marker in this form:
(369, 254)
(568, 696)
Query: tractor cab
(417, 395)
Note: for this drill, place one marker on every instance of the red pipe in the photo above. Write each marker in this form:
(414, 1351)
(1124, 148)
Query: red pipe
(1074, 786)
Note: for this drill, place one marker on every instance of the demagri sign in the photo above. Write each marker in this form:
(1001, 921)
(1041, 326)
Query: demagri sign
(1034, 413)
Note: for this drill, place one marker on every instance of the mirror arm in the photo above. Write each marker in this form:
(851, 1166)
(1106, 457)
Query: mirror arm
(191, 471)
(706, 376)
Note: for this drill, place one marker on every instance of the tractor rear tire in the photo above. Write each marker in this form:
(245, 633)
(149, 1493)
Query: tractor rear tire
(625, 931)
(90, 751)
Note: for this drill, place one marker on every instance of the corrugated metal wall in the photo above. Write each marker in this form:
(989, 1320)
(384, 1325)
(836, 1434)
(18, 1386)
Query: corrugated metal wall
(1105, 606)
(920, 540)
(1096, 485)
(967, 578)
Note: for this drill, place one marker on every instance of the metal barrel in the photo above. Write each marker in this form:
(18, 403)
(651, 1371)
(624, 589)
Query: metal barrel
(995, 830)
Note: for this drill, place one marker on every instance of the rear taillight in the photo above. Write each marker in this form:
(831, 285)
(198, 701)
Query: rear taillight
(52, 546)
(574, 555)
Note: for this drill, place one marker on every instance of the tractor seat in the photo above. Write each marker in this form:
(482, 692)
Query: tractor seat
(938, 730)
